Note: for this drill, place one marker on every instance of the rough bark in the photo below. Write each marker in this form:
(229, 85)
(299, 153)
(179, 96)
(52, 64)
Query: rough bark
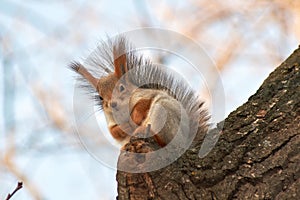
(256, 157)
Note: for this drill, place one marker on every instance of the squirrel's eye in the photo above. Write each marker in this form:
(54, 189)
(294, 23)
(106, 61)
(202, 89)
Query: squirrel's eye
(100, 98)
(122, 88)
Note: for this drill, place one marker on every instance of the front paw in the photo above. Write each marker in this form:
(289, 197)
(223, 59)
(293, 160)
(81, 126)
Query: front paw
(120, 132)
(143, 132)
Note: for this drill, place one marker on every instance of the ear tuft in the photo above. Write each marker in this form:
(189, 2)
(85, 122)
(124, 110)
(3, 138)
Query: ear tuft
(75, 66)
(80, 69)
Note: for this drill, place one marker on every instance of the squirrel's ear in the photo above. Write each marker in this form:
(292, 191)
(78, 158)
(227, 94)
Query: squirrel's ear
(120, 64)
(120, 58)
(80, 69)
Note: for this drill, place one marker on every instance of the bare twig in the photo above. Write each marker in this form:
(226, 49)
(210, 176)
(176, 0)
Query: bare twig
(19, 186)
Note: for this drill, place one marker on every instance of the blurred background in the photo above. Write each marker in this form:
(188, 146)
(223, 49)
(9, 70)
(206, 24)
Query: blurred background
(38, 143)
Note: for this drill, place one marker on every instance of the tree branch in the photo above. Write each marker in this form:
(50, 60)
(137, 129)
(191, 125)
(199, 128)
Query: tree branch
(19, 186)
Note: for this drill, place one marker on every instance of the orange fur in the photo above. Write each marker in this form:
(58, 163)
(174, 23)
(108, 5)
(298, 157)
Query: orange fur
(120, 64)
(159, 140)
(117, 132)
(140, 111)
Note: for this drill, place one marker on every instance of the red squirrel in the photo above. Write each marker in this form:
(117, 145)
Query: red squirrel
(138, 97)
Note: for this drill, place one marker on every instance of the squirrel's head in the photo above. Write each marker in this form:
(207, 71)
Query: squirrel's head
(114, 89)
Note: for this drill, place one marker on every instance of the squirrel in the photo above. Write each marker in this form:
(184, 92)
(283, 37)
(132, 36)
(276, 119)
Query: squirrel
(138, 97)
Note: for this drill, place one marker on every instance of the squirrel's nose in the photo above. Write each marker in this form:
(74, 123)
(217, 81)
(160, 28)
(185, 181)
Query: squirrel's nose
(113, 104)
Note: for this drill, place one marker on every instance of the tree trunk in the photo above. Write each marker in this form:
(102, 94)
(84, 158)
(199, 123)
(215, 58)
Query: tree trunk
(256, 157)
